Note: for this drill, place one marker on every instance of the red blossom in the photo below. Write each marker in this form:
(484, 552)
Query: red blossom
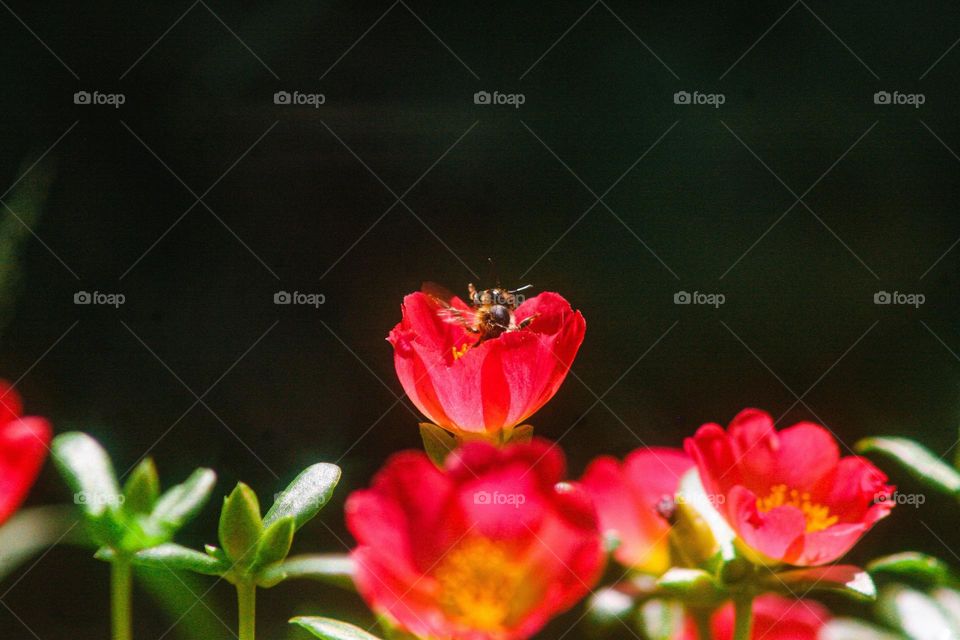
(626, 497)
(497, 384)
(23, 447)
(490, 548)
(788, 495)
(774, 618)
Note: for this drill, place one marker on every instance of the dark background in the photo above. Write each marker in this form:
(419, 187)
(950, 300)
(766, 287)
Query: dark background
(293, 385)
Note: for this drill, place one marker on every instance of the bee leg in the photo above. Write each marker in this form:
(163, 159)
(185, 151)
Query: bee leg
(526, 322)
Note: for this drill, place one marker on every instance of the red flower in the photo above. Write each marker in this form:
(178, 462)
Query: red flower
(626, 497)
(774, 618)
(497, 384)
(789, 496)
(490, 548)
(23, 446)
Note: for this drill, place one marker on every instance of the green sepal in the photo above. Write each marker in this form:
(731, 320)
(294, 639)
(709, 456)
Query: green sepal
(142, 488)
(437, 442)
(305, 496)
(521, 434)
(240, 526)
(330, 629)
(274, 544)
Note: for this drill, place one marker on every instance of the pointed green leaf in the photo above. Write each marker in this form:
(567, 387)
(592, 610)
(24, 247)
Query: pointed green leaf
(917, 460)
(178, 558)
(142, 488)
(846, 579)
(306, 495)
(180, 503)
(332, 568)
(851, 629)
(329, 629)
(909, 565)
(437, 442)
(275, 542)
(691, 585)
(88, 471)
(240, 525)
(914, 613)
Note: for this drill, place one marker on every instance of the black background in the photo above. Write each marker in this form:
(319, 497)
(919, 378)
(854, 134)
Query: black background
(299, 211)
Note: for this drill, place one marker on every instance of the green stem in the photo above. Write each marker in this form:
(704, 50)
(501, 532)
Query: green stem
(247, 606)
(121, 585)
(702, 619)
(743, 617)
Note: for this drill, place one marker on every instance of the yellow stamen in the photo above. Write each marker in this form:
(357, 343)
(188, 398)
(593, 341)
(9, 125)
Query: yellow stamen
(458, 353)
(479, 584)
(817, 516)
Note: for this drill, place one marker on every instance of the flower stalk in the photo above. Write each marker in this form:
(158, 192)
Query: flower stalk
(247, 607)
(743, 617)
(121, 587)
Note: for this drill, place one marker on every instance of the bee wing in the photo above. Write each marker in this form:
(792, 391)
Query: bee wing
(439, 292)
(449, 307)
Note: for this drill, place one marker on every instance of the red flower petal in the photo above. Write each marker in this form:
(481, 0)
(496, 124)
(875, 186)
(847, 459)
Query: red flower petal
(23, 447)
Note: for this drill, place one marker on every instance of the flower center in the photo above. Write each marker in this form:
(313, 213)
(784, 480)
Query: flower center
(478, 583)
(458, 353)
(817, 516)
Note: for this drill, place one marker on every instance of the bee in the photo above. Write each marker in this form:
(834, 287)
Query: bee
(492, 313)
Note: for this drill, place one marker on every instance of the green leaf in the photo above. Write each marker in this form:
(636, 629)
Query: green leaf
(949, 602)
(88, 471)
(275, 543)
(335, 569)
(917, 460)
(142, 488)
(180, 503)
(692, 586)
(240, 525)
(437, 442)
(846, 579)
(306, 495)
(178, 558)
(851, 629)
(909, 565)
(914, 613)
(329, 629)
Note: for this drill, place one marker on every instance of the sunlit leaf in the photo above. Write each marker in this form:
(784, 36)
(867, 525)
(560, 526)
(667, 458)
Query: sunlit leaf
(846, 579)
(182, 502)
(915, 614)
(329, 629)
(910, 565)
(851, 629)
(177, 558)
(691, 585)
(306, 495)
(335, 569)
(917, 460)
(88, 471)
